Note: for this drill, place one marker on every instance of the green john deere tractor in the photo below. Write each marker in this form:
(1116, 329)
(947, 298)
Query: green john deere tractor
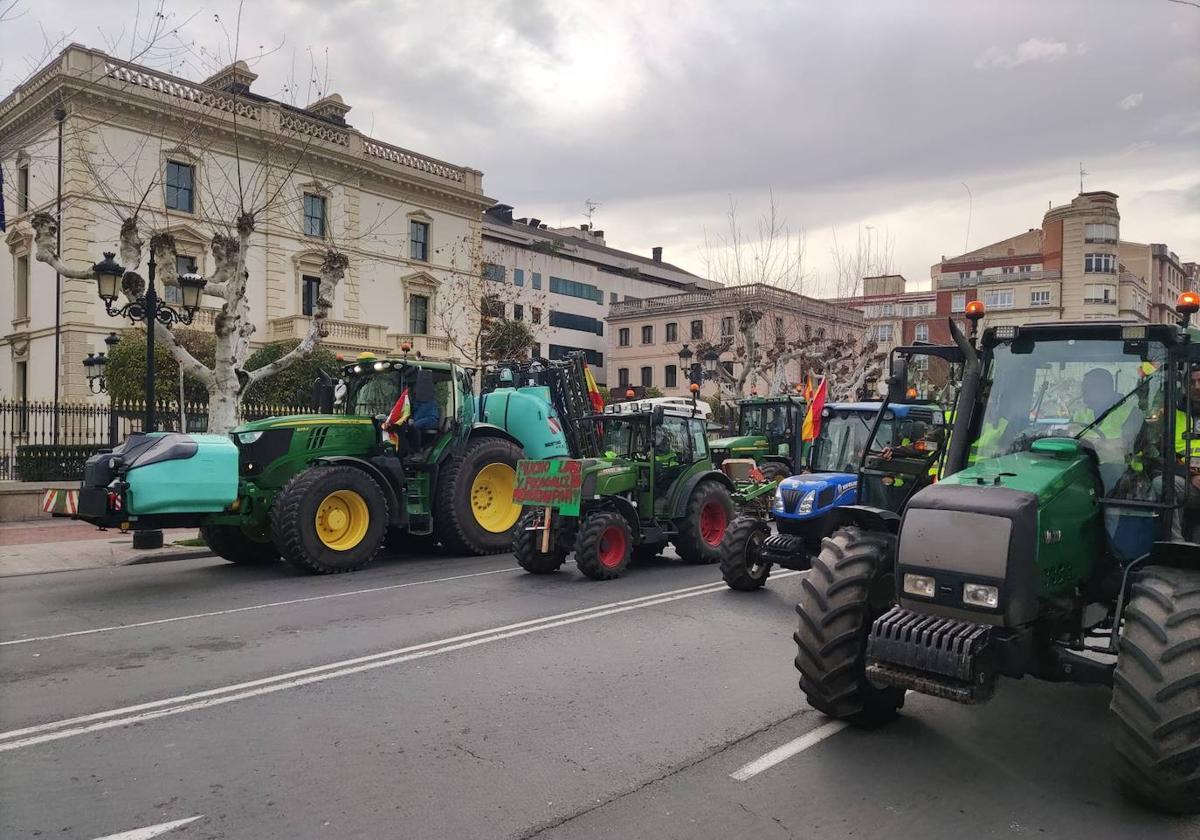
(653, 483)
(1052, 547)
(323, 490)
(769, 431)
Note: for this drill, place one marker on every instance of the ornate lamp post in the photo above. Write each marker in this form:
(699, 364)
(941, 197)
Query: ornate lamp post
(94, 367)
(147, 308)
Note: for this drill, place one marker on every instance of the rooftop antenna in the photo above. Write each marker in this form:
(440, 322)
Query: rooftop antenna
(1082, 172)
(970, 207)
(590, 210)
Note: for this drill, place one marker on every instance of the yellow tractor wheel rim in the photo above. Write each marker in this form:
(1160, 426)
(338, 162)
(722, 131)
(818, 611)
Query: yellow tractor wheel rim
(492, 498)
(342, 520)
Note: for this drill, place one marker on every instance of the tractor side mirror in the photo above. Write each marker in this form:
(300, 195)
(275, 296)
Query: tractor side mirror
(657, 415)
(323, 394)
(897, 380)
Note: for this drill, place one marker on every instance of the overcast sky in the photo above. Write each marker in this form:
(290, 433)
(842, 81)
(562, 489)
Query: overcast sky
(864, 117)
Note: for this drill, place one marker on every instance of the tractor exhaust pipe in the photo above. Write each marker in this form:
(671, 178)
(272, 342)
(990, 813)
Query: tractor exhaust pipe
(968, 395)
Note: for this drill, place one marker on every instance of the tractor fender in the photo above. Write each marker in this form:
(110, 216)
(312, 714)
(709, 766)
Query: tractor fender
(387, 473)
(625, 507)
(681, 500)
(1179, 555)
(492, 430)
(778, 459)
(870, 518)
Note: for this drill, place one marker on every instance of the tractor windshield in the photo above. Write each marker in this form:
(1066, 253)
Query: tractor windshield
(843, 438)
(372, 393)
(764, 420)
(626, 437)
(1108, 393)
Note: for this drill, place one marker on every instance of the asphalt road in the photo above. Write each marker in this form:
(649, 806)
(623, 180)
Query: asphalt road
(462, 698)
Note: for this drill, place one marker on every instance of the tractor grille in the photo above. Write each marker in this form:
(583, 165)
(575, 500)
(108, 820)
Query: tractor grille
(791, 498)
(317, 436)
(929, 643)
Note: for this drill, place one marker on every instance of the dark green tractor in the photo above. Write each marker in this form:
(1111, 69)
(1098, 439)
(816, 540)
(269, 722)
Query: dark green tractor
(654, 484)
(1052, 547)
(769, 431)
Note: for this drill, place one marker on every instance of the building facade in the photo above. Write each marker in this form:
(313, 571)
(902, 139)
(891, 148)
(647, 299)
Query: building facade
(646, 336)
(563, 282)
(186, 157)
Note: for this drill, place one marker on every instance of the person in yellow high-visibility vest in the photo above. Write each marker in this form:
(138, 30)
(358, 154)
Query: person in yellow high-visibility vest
(1114, 436)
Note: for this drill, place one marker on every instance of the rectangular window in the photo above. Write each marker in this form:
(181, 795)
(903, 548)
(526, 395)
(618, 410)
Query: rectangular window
(958, 302)
(581, 323)
(623, 337)
(921, 332)
(964, 275)
(672, 332)
(21, 300)
(180, 186)
(1026, 269)
(418, 241)
(418, 314)
(21, 393)
(998, 299)
(887, 310)
(571, 288)
(560, 351)
(518, 312)
(623, 377)
(669, 376)
(537, 280)
(647, 377)
(310, 288)
(535, 314)
(1099, 293)
(1099, 263)
(493, 272)
(647, 335)
(1100, 233)
(518, 277)
(779, 326)
(23, 189)
(882, 333)
(491, 307)
(1039, 297)
(726, 327)
(1008, 269)
(314, 215)
(697, 329)
(979, 273)
(612, 297)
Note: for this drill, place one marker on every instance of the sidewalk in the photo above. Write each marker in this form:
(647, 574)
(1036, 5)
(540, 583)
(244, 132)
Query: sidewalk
(59, 545)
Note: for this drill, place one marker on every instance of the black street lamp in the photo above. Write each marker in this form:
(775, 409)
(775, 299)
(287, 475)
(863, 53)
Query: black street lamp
(147, 308)
(94, 367)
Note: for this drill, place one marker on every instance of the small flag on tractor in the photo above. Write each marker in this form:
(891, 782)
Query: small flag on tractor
(812, 420)
(400, 412)
(593, 390)
(808, 389)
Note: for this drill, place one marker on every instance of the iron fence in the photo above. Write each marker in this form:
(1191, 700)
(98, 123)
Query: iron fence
(30, 449)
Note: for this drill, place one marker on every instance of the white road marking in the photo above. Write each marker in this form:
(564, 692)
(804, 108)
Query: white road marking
(57, 730)
(253, 607)
(150, 830)
(791, 748)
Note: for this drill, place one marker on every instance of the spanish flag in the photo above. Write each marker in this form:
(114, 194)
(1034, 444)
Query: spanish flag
(593, 390)
(808, 389)
(812, 420)
(400, 412)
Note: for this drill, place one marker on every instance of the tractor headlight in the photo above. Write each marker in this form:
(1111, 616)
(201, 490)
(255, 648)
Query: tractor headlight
(806, 504)
(778, 503)
(981, 595)
(249, 437)
(922, 586)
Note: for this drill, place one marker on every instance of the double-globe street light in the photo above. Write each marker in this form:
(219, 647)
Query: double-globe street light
(147, 308)
(94, 367)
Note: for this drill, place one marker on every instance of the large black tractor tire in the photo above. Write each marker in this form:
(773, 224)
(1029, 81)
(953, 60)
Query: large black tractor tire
(1156, 691)
(703, 527)
(328, 520)
(743, 566)
(604, 546)
(240, 545)
(775, 471)
(528, 546)
(850, 585)
(474, 512)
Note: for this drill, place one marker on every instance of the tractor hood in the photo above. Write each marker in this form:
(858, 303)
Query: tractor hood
(736, 445)
(295, 421)
(819, 481)
(1045, 470)
(607, 477)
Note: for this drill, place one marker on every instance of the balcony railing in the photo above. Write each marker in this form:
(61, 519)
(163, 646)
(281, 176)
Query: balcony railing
(735, 297)
(430, 346)
(351, 335)
(953, 281)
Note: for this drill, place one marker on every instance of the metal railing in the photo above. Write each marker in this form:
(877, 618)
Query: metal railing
(735, 297)
(30, 451)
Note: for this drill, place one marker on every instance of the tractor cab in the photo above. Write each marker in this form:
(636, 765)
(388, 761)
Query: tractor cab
(659, 442)
(769, 431)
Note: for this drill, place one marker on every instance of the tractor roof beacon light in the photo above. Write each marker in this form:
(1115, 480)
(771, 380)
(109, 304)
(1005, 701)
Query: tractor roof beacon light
(629, 393)
(406, 347)
(1187, 305)
(975, 311)
(108, 276)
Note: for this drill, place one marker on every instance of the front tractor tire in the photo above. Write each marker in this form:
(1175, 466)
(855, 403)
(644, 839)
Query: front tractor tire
(604, 546)
(474, 512)
(850, 585)
(1156, 691)
(743, 565)
(528, 546)
(703, 527)
(244, 546)
(329, 519)
(775, 471)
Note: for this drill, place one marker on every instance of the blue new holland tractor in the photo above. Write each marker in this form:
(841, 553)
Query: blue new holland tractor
(806, 506)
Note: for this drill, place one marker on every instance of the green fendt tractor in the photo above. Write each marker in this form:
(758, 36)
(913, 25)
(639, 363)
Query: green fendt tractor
(323, 490)
(1052, 547)
(769, 431)
(653, 483)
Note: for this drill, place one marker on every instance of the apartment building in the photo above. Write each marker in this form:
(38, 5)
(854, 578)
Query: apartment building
(563, 282)
(186, 154)
(647, 335)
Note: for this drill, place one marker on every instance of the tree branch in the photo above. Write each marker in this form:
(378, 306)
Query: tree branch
(45, 234)
(188, 363)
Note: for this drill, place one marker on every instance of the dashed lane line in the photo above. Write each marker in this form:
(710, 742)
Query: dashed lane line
(786, 751)
(151, 830)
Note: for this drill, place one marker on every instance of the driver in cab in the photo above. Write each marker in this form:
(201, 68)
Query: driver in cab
(1115, 434)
